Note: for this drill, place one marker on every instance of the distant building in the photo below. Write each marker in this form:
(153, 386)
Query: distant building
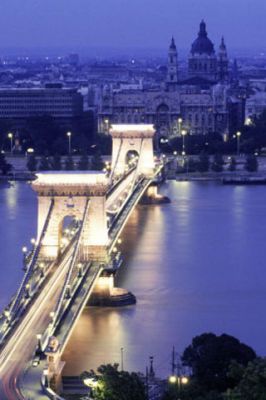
(59, 103)
(255, 104)
(203, 100)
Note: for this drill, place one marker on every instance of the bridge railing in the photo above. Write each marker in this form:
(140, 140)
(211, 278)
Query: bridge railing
(31, 266)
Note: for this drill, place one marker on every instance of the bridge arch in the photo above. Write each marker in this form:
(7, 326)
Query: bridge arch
(131, 155)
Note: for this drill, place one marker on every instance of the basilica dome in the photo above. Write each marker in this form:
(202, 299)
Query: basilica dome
(202, 45)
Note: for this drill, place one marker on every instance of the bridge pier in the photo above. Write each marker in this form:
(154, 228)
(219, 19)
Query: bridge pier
(105, 294)
(151, 196)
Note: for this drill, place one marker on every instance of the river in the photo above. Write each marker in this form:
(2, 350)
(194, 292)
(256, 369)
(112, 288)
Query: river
(195, 265)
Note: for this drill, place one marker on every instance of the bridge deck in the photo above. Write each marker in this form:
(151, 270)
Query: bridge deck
(77, 303)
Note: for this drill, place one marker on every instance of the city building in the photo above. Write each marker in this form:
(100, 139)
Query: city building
(199, 103)
(19, 104)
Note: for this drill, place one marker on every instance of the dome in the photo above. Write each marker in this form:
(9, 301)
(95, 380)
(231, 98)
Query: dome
(202, 45)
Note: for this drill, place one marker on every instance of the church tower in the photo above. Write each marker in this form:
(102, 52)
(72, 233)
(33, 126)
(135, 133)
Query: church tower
(172, 68)
(222, 62)
(202, 62)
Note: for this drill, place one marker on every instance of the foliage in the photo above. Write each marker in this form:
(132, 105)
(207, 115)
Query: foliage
(193, 390)
(83, 163)
(203, 163)
(97, 163)
(44, 164)
(56, 163)
(69, 164)
(218, 162)
(104, 143)
(5, 167)
(190, 165)
(209, 356)
(252, 385)
(117, 385)
(232, 165)
(32, 163)
(251, 163)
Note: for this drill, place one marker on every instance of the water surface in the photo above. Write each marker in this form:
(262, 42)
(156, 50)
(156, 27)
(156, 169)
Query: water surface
(195, 265)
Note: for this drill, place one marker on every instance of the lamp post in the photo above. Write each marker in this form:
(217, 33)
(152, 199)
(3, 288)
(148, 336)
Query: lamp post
(24, 251)
(69, 134)
(10, 137)
(122, 358)
(179, 125)
(183, 133)
(238, 134)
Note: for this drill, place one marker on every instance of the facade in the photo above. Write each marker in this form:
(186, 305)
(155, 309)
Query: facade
(58, 103)
(200, 100)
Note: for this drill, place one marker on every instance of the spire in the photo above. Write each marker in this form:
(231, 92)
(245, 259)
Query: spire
(222, 45)
(172, 45)
(202, 31)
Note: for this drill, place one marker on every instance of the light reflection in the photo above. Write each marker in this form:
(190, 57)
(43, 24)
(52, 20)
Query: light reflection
(11, 196)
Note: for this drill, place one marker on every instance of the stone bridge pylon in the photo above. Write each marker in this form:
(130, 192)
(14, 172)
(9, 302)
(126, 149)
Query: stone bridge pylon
(136, 139)
(66, 194)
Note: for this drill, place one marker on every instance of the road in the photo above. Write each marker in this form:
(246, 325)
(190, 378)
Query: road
(20, 347)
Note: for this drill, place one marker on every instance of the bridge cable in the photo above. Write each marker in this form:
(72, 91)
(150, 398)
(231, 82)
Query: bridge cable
(30, 269)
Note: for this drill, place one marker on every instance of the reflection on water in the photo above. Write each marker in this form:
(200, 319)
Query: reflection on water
(195, 265)
(18, 211)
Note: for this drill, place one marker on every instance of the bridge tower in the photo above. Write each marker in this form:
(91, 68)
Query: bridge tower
(70, 193)
(136, 139)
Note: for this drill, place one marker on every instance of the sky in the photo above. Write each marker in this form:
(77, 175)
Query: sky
(125, 24)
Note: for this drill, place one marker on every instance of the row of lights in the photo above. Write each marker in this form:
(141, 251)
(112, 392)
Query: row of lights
(30, 150)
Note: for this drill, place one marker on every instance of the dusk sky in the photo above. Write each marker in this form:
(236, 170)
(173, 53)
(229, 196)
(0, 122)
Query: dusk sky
(130, 23)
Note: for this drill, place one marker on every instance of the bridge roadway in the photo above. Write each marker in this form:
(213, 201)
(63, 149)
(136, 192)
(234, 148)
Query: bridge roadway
(18, 351)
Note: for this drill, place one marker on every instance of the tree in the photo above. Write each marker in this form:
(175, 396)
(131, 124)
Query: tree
(203, 163)
(69, 164)
(44, 164)
(252, 384)
(232, 165)
(56, 163)
(97, 162)
(83, 163)
(251, 163)
(190, 165)
(5, 167)
(32, 163)
(116, 385)
(209, 356)
(193, 390)
(217, 164)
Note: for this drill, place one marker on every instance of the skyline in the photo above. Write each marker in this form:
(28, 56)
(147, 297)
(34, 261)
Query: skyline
(148, 24)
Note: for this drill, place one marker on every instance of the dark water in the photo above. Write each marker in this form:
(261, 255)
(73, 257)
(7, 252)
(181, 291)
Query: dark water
(195, 265)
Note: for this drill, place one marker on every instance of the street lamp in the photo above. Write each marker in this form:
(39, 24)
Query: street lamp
(10, 136)
(24, 251)
(69, 134)
(238, 134)
(183, 133)
(179, 125)
(122, 358)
